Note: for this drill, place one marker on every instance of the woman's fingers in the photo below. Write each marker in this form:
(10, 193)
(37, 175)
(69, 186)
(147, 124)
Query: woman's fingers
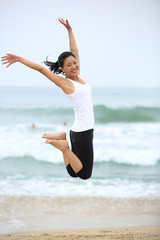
(61, 20)
(65, 23)
(8, 59)
(8, 56)
(8, 65)
(5, 62)
(4, 58)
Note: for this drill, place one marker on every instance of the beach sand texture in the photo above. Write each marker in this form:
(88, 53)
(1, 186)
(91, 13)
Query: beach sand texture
(79, 218)
(123, 233)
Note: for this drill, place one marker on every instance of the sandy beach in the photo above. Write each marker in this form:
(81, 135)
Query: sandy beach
(123, 233)
(31, 217)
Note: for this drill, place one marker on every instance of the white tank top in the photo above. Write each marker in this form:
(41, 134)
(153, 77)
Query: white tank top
(81, 100)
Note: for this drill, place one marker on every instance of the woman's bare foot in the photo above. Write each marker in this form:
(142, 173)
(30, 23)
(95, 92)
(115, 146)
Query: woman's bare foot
(55, 136)
(62, 145)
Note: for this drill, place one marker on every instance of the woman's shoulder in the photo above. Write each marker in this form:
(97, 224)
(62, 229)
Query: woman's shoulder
(81, 80)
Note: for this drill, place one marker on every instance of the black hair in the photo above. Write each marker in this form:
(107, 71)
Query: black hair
(55, 66)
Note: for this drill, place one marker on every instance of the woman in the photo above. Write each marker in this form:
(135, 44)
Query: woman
(79, 160)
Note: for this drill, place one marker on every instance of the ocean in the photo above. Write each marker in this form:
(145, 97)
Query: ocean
(126, 145)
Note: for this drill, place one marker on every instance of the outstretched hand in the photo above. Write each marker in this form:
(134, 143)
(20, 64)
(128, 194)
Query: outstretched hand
(9, 59)
(65, 23)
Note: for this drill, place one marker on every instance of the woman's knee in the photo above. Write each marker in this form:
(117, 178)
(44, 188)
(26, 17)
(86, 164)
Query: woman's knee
(84, 174)
(85, 177)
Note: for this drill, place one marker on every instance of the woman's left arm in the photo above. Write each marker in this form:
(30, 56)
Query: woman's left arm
(72, 41)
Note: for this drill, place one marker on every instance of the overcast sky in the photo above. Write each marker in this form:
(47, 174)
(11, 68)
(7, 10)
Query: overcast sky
(118, 40)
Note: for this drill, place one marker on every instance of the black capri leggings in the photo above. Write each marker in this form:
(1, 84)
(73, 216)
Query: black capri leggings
(82, 147)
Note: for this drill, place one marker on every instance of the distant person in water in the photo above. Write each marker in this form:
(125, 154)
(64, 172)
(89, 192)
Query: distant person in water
(79, 159)
(33, 125)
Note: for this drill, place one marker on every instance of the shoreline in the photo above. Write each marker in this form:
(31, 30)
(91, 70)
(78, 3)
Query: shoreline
(37, 213)
(122, 233)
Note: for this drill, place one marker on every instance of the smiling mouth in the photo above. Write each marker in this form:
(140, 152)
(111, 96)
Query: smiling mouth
(74, 71)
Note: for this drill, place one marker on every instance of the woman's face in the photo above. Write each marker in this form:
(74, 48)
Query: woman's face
(70, 67)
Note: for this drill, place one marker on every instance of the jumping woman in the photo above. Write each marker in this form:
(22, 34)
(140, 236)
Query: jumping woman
(79, 159)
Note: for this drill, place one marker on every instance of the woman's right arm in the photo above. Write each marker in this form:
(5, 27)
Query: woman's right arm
(59, 81)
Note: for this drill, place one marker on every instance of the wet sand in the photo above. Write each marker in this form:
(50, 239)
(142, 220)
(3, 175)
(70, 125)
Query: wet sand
(33, 217)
